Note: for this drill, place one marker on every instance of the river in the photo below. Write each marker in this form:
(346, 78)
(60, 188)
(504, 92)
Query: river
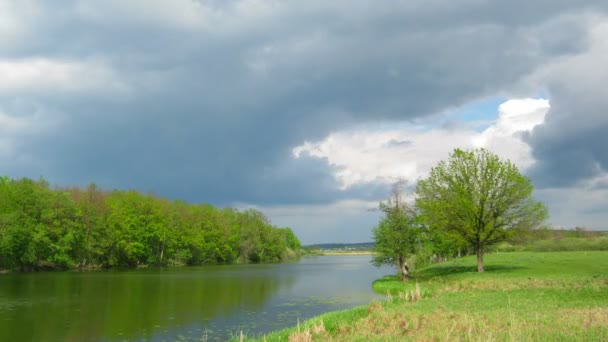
(210, 303)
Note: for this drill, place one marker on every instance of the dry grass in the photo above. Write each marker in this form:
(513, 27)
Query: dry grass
(588, 318)
(314, 333)
(413, 295)
(389, 323)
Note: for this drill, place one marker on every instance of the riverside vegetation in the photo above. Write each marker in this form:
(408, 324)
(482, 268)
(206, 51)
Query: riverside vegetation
(45, 228)
(522, 296)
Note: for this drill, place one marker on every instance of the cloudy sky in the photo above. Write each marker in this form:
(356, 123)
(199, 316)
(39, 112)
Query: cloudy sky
(307, 110)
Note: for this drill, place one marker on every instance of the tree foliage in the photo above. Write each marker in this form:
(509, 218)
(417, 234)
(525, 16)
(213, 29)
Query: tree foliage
(397, 236)
(479, 198)
(42, 227)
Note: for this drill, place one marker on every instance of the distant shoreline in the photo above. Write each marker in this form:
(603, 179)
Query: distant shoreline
(349, 253)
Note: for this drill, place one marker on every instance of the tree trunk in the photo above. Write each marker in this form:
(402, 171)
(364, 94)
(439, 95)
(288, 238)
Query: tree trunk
(405, 270)
(162, 247)
(162, 252)
(479, 259)
(87, 244)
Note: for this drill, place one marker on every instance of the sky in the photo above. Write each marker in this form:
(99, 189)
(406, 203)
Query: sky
(306, 110)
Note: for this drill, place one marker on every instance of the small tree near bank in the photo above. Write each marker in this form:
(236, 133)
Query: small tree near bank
(480, 197)
(397, 236)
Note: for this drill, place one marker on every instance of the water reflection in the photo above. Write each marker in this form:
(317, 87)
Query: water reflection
(178, 303)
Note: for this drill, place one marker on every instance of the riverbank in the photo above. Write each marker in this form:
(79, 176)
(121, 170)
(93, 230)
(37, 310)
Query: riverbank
(521, 296)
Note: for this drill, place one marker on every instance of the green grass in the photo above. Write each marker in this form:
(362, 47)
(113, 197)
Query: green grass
(521, 296)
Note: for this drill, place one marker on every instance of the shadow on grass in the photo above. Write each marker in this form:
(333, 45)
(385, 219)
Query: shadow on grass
(442, 271)
(451, 270)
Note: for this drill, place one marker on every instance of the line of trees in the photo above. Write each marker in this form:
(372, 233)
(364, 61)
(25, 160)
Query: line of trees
(41, 227)
(470, 202)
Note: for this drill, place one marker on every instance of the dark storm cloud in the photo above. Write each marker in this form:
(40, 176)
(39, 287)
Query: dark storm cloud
(211, 99)
(570, 147)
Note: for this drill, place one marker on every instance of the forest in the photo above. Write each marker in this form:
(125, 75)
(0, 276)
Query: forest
(60, 228)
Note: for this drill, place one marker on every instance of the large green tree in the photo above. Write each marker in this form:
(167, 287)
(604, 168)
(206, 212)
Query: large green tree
(480, 197)
(397, 236)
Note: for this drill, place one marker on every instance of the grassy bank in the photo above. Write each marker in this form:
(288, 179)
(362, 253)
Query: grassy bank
(521, 296)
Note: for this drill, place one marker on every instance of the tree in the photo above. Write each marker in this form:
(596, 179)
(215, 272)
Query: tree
(397, 236)
(481, 198)
(44, 228)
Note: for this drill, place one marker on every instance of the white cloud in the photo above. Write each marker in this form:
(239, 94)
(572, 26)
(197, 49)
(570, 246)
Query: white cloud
(55, 75)
(323, 223)
(385, 155)
(514, 117)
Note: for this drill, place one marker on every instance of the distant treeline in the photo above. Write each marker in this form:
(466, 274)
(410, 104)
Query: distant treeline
(74, 227)
(363, 246)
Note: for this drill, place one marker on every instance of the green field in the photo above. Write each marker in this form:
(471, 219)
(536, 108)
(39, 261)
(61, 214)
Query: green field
(522, 296)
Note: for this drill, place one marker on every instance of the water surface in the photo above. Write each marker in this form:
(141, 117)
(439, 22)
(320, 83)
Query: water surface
(184, 303)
